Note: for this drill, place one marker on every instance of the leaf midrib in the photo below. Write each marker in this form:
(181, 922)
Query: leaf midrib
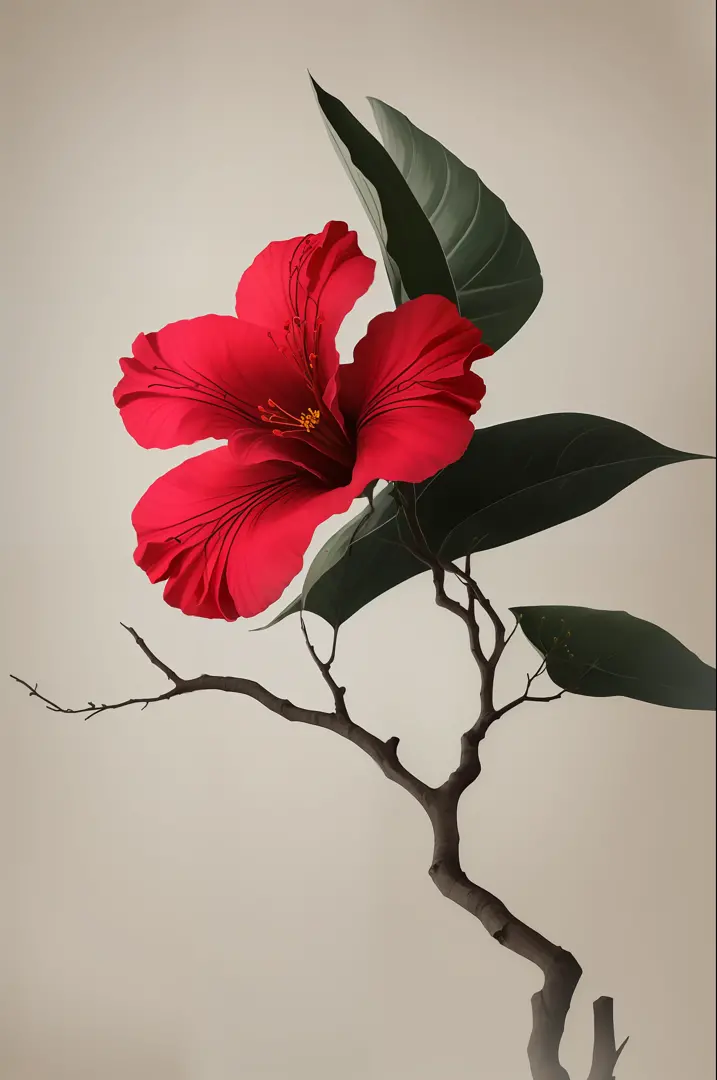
(595, 665)
(531, 487)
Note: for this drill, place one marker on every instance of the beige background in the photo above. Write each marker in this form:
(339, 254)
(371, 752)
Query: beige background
(198, 892)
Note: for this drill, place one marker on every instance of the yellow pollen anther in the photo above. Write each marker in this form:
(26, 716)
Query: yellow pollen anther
(306, 420)
(310, 419)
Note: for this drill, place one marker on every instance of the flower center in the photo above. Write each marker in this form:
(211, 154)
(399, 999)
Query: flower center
(301, 346)
(281, 418)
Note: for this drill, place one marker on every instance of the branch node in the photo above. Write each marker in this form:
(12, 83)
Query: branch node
(391, 748)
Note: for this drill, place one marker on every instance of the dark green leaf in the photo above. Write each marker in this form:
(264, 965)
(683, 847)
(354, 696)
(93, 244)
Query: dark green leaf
(441, 230)
(610, 653)
(514, 480)
(412, 253)
(492, 263)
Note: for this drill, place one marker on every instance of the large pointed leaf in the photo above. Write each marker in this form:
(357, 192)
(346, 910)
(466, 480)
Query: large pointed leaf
(514, 480)
(412, 253)
(441, 230)
(611, 653)
(493, 266)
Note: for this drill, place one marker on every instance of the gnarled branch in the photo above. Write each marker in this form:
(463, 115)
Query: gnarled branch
(561, 971)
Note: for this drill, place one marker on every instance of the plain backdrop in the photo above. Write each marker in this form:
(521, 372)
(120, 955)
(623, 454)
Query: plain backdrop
(199, 891)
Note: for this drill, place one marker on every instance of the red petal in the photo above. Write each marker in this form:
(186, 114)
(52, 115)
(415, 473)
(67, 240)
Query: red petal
(228, 539)
(410, 353)
(202, 378)
(410, 391)
(315, 279)
(413, 444)
(463, 392)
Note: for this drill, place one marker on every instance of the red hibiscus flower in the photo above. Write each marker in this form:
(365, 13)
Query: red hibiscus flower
(304, 436)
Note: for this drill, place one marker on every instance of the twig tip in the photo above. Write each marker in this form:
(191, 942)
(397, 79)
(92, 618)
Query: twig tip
(621, 1047)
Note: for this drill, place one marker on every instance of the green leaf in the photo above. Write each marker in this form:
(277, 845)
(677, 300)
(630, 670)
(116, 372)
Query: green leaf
(514, 480)
(441, 230)
(492, 263)
(610, 653)
(411, 251)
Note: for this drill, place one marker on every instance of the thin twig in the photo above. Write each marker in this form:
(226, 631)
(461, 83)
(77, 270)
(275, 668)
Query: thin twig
(338, 692)
(476, 593)
(171, 675)
(91, 709)
(418, 547)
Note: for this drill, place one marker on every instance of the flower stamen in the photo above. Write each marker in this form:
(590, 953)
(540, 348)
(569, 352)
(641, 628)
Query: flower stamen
(307, 420)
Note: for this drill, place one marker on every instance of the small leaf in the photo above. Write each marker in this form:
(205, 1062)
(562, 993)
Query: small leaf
(514, 480)
(611, 653)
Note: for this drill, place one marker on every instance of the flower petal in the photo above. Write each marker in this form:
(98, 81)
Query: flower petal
(412, 444)
(228, 539)
(302, 289)
(407, 354)
(202, 378)
(409, 392)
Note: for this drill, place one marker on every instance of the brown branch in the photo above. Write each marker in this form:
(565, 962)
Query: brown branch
(171, 675)
(390, 762)
(467, 615)
(337, 692)
(416, 543)
(475, 593)
(605, 1051)
(383, 753)
(561, 971)
(469, 767)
